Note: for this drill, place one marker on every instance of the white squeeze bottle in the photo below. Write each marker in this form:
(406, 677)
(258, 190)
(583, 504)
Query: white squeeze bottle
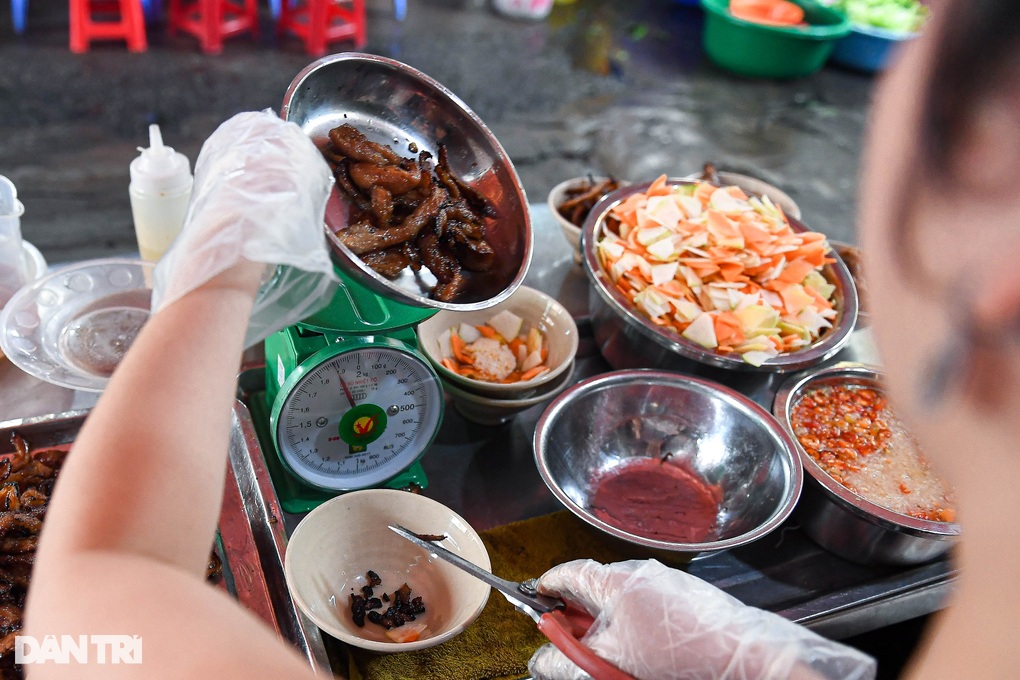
(160, 190)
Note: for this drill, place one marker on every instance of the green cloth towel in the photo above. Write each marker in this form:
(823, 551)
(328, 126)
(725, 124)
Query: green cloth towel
(501, 640)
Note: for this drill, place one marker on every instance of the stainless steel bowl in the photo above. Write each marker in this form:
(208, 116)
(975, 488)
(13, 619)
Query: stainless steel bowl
(728, 440)
(838, 519)
(628, 339)
(394, 104)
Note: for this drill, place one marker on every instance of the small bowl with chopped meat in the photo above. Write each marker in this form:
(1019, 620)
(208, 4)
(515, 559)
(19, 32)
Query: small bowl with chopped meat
(368, 587)
(870, 494)
(505, 352)
(570, 202)
(669, 465)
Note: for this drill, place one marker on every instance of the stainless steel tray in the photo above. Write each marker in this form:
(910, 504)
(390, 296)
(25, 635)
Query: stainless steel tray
(250, 540)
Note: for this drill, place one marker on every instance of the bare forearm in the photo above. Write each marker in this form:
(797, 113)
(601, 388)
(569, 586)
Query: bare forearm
(146, 473)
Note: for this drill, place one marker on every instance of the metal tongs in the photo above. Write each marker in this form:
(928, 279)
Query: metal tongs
(564, 627)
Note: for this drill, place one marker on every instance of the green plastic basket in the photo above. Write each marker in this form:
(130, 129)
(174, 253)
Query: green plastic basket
(761, 51)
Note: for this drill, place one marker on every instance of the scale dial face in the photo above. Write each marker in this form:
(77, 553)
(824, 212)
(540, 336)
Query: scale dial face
(351, 419)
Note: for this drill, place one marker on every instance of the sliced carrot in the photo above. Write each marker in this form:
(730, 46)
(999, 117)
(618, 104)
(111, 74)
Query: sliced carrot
(727, 328)
(658, 187)
(529, 374)
(770, 12)
(488, 331)
(460, 349)
(731, 271)
(544, 354)
(736, 192)
(703, 192)
(515, 345)
(819, 300)
(450, 364)
(796, 270)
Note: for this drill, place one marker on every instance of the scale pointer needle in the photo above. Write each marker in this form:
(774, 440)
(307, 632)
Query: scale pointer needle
(347, 390)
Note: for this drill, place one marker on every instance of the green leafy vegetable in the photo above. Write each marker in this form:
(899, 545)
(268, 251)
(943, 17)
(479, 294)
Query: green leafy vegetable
(902, 16)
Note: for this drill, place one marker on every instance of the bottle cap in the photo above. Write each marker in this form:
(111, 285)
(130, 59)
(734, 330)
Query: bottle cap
(159, 168)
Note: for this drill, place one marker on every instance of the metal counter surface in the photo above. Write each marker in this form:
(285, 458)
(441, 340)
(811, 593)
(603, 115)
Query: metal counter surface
(488, 475)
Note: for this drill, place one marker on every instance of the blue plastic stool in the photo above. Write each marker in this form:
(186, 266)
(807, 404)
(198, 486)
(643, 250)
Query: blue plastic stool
(152, 9)
(19, 15)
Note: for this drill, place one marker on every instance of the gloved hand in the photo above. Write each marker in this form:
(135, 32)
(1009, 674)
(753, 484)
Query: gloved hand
(658, 623)
(260, 194)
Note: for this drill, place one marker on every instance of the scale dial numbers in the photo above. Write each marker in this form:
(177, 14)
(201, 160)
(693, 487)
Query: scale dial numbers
(358, 418)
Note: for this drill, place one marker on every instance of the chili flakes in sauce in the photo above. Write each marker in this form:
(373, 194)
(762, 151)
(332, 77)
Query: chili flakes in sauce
(850, 431)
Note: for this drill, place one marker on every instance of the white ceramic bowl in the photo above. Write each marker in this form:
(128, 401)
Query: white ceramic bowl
(538, 311)
(496, 411)
(558, 195)
(338, 542)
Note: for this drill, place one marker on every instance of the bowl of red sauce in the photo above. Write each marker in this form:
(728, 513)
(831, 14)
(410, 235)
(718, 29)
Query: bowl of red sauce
(677, 467)
(870, 494)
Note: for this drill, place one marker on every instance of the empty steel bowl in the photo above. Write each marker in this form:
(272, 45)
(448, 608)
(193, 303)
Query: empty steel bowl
(711, 431)
(629, 339)
(838, 519)
(394, 104)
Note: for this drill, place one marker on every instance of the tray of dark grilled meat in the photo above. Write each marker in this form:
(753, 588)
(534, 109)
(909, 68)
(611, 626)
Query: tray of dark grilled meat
(245, 559)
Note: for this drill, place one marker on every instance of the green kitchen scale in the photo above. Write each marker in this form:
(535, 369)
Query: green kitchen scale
(350, 403)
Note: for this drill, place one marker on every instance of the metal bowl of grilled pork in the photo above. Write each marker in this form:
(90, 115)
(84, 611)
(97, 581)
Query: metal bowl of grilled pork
(392, 104)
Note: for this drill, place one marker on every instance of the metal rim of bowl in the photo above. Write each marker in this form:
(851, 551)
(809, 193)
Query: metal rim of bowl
(882, 33)
(825, 347)
(790, 392)
(351, 262)
(541, 393)
(783, 510)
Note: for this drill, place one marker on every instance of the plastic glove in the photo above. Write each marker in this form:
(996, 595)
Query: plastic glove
(658, 623)
(260, 194)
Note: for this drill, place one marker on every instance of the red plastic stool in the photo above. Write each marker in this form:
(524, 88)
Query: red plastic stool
(320, 22)
(213, 20)
(128, 26)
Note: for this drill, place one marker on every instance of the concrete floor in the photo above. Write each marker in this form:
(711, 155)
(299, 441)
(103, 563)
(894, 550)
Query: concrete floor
(600, 86)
